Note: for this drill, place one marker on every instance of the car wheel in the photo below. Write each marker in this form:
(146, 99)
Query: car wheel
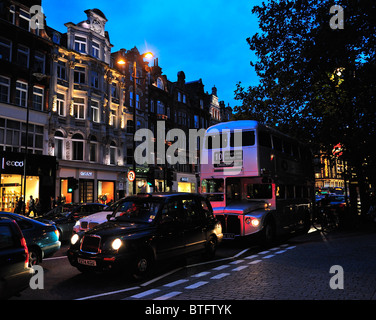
(34, 257)
(211, 247)
(268, 235)
(142, 265)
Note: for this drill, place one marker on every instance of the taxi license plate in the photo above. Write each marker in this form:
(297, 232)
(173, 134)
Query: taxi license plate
(87, 262)
(229, 236)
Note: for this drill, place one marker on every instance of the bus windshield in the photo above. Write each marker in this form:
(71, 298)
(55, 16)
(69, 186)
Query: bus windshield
(247, 190)
(214, 188)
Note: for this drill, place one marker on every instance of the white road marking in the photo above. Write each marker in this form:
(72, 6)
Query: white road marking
(196, 285)
(168, 295)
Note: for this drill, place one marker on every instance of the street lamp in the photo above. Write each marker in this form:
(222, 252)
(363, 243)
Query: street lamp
(123, 62)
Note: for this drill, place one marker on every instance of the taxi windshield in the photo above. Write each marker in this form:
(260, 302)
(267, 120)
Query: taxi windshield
(139, 211)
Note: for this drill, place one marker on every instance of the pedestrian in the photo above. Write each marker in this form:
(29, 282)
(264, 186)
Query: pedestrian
(53, 203)
(38, 208)
(19, 206)
(31, 206)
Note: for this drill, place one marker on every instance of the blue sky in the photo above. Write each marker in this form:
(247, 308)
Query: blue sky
(205, 39)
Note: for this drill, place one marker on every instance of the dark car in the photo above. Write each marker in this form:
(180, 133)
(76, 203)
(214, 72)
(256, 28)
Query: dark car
(146, 229)
(42, 239)
(15, 273)
(65, 218)
(337, 201)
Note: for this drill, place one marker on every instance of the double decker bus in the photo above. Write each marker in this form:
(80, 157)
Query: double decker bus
(258, 180)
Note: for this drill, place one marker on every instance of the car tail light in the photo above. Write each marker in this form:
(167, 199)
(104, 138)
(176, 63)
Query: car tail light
(24, 245)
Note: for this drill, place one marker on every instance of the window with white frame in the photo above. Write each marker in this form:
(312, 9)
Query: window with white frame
(4, 89)
(95, 111)
(112, 117)
(80, 44)
(60, 104)
(5, 49)
(39, 63)
(80, 75)
(61, 70)
(79, 108)
(23, 56)
(21, 93)
(38, 94)
(24, 21)
(59, 145)
(113, 153)
(95, 49)
(114, 91)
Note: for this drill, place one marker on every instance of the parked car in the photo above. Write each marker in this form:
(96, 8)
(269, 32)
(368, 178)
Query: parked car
(65, 220)
(337, 201)
(91, 221)
(42, 239)
(15, 273)
(146, 229)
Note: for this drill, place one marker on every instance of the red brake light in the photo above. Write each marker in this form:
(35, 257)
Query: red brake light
(24, 245)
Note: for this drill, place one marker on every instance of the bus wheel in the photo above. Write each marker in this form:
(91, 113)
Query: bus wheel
(268, 233)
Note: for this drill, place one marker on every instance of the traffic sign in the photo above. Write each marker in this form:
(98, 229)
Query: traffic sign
(131, 176)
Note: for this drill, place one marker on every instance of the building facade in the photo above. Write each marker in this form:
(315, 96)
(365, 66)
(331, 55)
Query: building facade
(66, 96)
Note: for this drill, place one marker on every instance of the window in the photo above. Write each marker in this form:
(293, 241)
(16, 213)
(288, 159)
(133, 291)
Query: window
(112, 117)
(5, 49)
(184, 98)
(93, 149)
(79, 108)
(95, 111)
(39, 62)
(179, 96)
(61, 70)
(59, 144)
(160, 83)
(77, 147)
(23, 56)
(160, 107)
(277, 144)
(138, 105)
(248, 138)
(196, 122)
(94, 79)
(60, 104)
(152, 106)
(12, 16)
(24, 21)
(95, 50)
(130, 126)
(264, 139)
(38, 98)
(4, 89)
(79, 75)
(114, 90)
(80, 44)
(21, 93)
(113, 153)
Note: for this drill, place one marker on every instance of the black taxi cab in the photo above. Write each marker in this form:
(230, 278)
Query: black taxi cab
(146, 229)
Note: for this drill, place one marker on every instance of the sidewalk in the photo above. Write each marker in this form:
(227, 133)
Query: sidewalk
(304, 272)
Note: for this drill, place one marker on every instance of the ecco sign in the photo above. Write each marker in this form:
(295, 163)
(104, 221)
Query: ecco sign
(11, 164)
(14, 163)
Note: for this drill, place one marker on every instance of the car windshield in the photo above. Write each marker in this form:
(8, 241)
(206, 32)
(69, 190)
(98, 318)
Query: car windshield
(139, 210)
(60, 211)
(112, 207)
(337, 198)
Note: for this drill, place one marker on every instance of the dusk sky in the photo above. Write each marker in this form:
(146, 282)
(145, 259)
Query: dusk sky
(205, 39)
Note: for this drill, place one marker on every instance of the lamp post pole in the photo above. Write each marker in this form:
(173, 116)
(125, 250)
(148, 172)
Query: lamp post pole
(134, 121)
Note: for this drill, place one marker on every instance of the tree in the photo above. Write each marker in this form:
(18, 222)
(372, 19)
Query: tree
(317, 83)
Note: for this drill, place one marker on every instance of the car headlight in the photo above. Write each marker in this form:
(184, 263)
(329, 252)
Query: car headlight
(116, 244)
(74, 239)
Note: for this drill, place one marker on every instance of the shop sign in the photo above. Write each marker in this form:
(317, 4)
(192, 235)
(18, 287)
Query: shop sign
(184, 179)
(12, 165)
